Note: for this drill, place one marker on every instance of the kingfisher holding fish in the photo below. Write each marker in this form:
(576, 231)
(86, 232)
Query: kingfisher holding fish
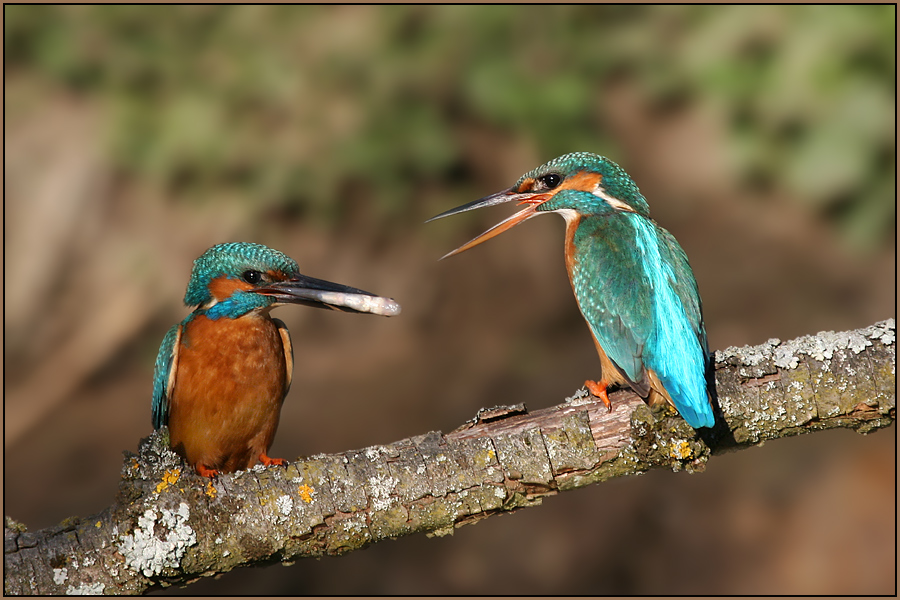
(631, 279)
(223, 372)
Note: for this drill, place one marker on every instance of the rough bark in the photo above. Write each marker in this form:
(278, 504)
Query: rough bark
(169, 526)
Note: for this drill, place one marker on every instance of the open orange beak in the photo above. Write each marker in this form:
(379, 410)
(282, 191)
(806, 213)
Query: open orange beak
(533, 200)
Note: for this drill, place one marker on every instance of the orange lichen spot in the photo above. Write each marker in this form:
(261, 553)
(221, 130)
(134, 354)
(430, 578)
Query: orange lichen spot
(305, 493)
(169, 478)
(681, 451)
(210, 490)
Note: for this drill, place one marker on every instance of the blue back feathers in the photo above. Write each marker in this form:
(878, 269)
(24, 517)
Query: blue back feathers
(676, 349)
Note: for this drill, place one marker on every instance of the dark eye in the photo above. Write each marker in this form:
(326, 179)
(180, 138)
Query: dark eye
(551, 180)
(251, 276)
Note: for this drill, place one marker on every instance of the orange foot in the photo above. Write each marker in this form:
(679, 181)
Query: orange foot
(598, 389)
(206, 471)
(268, 462)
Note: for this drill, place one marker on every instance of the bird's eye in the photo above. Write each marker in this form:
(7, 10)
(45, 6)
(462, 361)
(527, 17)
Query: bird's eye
(551, 180)
(251, 276)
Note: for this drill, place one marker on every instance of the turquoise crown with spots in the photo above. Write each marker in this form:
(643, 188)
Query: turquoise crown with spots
(615, 181)
(232, 260)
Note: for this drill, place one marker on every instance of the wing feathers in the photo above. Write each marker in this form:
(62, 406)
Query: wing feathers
(164, 375)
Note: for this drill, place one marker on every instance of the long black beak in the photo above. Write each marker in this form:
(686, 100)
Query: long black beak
(532, 199)
(498, 198)
(319, 293)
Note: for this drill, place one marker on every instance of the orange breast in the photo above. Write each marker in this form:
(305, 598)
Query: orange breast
(569, 248)
(228, 392)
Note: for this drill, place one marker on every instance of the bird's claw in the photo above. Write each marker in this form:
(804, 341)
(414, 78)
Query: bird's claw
(205, 471)
(268, 462)
(598, 389)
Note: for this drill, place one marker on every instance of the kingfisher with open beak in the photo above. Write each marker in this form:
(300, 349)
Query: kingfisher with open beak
(631, 279)
(223, 372)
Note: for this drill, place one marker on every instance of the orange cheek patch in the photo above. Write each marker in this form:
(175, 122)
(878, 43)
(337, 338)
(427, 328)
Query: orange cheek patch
(526, 186)
(223, 287)
(583, 181)
(277, 276)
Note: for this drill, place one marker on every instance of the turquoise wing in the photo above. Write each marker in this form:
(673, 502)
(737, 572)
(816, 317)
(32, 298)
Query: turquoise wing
(164, 376)
(612, 293)
(678, 351)
(639, 296)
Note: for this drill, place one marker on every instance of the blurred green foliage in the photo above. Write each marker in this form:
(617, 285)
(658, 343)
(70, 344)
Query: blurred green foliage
(287, 106)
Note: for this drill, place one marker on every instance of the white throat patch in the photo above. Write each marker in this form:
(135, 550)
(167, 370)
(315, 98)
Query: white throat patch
(568, 214)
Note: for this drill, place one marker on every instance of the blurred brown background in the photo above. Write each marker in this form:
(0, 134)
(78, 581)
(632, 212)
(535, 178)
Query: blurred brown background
(763, 138)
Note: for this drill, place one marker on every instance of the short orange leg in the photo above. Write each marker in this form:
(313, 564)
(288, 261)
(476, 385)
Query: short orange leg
(598, 389)
(268, 462)
(206, 471)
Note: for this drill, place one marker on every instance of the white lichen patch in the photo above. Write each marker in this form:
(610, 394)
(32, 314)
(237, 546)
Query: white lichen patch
(748, 355)
(374, 452)
(380, 489)
(150, 552)
(60, 576)
(884, 331)
(86, 589)
(821, 347)
(355, 524)
(581, 396)
(285, 504)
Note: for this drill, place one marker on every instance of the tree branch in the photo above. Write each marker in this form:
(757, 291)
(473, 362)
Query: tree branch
(169, 526)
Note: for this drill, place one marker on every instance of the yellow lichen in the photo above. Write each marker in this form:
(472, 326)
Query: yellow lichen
(210, 490)
(681, 450)
(169, 478)
(305, 493)
(484, 458)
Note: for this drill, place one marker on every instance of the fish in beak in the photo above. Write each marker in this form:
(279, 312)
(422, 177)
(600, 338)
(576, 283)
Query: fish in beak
(531, 199)
(319, 293)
